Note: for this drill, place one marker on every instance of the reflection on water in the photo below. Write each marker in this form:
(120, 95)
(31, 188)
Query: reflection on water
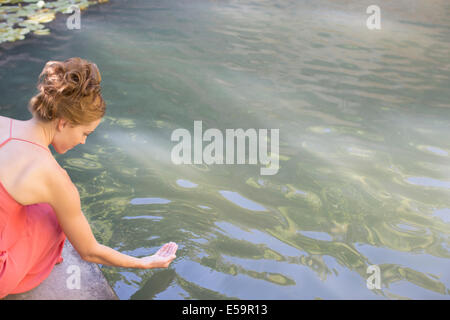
(241, 201)
(363, 115)
(186, 183)
(444, 214)
(144, 217)
(429, 182)
(317, 235)
(437, 151)
(149, 201)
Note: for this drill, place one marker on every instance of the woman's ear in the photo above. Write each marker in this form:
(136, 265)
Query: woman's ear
(62, 123)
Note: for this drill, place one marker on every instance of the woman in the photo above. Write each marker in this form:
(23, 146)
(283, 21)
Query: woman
(39, 204)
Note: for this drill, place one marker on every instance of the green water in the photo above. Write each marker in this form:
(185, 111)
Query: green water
(364, 175)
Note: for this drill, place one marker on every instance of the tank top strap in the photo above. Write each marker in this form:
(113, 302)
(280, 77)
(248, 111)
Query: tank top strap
(12, 138)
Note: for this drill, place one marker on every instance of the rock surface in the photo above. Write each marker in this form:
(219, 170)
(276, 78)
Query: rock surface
(62, 283)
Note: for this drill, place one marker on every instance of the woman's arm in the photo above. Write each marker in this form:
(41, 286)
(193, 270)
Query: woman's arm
(63, 196)
(105, 255)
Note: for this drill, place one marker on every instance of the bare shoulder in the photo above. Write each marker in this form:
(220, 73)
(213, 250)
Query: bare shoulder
(57, 182)
(53, 171)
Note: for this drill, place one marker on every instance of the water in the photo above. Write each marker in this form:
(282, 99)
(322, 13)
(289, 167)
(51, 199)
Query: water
(364, 150)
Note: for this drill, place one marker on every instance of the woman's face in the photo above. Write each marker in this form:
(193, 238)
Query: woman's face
(68, 136)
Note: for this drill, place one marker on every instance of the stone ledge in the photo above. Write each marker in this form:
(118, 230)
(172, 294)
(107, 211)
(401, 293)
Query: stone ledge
(93, 285)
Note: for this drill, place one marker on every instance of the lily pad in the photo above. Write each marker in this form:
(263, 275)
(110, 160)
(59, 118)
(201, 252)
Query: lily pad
(20, 17)
(42, 17)
(42, 32)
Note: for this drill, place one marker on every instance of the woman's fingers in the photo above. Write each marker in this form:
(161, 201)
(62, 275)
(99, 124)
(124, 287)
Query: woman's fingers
(165, 249)
(162, 249)
(168, 249)
(173, 249)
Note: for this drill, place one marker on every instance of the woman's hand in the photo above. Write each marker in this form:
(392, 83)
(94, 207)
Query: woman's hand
(162, 258)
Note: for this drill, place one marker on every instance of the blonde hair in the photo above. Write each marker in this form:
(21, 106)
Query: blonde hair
(69, 89)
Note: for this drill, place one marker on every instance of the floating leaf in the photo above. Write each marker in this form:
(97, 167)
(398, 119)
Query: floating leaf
(42, 32)
(43, 17)
(24, 30)
(20, 17)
